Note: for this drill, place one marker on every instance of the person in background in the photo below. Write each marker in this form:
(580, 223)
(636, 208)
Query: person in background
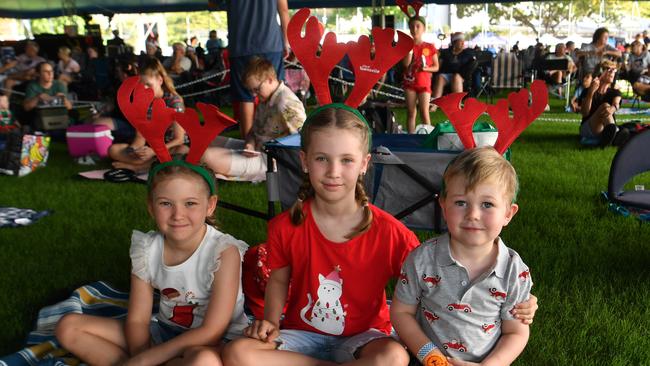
(45, 91)
(25, 67)
(67, 68)
(637, 62)
(455, 66)
(419, 64)
(599, 106)
(178, 63)
(253, 31)
(596, 51)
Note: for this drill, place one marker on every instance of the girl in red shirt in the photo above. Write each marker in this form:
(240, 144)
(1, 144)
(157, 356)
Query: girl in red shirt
(419, 64)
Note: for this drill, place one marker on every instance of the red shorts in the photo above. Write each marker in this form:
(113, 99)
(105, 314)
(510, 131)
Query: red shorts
(420, 84)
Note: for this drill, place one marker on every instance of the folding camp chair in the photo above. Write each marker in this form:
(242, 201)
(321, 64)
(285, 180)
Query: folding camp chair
(404, 178)
(506, 72)
(484, 61)
(631, 160)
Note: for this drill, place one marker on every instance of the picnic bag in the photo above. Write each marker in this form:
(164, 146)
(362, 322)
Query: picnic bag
(24, 153)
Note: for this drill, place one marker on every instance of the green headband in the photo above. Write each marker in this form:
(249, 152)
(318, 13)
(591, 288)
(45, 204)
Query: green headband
(346, 107)
(209, 178)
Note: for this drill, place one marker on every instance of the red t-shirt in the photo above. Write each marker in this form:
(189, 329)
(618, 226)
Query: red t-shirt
(338, 288)
(422, 53)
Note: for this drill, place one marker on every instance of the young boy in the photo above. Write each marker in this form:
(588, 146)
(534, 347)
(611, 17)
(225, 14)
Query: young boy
(7, 120)
(456, 291)
(279, 113)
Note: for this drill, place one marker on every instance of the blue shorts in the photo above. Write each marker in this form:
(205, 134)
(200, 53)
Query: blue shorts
(161, 332)
(238, 66)
(326, 347)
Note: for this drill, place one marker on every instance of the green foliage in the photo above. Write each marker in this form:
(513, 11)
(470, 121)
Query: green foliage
(552, 12)
(55, 25)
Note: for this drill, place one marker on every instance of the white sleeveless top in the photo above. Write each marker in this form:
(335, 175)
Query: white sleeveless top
(185, 288)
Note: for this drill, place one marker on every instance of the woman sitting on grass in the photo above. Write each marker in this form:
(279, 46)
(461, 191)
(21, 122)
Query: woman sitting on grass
(599, 105)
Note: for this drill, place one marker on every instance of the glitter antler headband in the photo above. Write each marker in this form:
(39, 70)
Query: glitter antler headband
(509, 128)
(135, 102)
(367, 69)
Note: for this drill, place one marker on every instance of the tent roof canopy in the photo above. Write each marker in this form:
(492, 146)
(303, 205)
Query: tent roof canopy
(24, 9)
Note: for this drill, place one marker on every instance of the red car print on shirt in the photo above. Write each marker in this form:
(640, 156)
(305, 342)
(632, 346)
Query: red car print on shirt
(488, 327)
(431, 281)
(431, 317)
(524, 275)
(497, 294)
(464, 307)
(458, 346)
(403, 279)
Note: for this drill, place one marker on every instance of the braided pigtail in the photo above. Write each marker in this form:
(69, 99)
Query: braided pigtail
(361, 198)
(305, 192)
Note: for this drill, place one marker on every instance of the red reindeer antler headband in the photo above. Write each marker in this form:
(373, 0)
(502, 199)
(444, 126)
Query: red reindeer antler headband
(151, 117)
(319, 61)
(509, 128)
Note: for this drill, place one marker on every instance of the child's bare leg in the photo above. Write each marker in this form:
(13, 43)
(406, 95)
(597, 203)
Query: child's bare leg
(251, 352)
(411, 112)
(423, 106)
(218, 159)
(95, 340)
(198, 356)
(381, 352)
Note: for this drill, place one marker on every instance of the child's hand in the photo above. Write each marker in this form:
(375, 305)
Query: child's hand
(525, 311)
(263, 330)
(144, 153)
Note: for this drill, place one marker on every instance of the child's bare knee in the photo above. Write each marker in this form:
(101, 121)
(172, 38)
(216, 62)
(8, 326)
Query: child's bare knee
(238, 353)
(67, 327)
(201, 356)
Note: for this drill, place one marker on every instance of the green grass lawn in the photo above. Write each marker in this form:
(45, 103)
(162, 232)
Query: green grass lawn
(591, 268)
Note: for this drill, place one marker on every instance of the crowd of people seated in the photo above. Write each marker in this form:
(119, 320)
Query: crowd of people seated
(89, 75)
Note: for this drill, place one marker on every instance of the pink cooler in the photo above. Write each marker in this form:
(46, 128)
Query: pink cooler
(88, 139)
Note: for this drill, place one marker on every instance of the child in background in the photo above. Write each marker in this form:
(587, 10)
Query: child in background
(138, 156)
(338, 251)
(7, 120)
(195, 267)
(457, 291)
(419, 64)
(278, 114)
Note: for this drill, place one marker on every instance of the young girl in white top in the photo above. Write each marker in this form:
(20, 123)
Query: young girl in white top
(195, 267)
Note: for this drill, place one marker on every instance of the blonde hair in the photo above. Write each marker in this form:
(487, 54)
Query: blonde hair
(479, 165)
(605, 64)
(65, 50)
(339, 119)
(151, 66)
(174, 171)
(260, 68)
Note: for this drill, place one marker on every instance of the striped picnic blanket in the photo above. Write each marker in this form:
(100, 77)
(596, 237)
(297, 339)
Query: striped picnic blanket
(97, 298)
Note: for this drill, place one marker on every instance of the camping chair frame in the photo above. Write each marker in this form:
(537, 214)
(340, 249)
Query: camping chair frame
(507, 72)
(629, 161)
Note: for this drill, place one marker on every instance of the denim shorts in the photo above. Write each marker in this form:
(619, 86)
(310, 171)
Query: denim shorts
(161, 332)
(326, 347)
